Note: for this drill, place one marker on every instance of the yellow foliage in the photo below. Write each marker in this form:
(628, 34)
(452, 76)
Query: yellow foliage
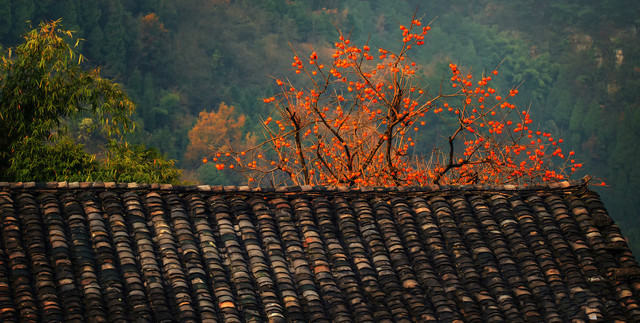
(215, 130)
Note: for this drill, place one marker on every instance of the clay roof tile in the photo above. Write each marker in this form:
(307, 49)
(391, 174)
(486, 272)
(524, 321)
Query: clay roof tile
(157, 252)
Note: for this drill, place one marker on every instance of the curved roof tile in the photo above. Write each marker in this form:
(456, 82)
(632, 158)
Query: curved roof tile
(161, 253)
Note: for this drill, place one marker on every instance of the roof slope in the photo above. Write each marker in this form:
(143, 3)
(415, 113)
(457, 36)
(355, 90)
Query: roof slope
(98, 252)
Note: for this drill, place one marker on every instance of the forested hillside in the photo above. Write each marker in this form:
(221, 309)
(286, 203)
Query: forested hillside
(577, 65)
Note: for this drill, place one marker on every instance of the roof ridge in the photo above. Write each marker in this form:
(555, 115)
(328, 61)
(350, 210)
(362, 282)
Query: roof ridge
(322, 189)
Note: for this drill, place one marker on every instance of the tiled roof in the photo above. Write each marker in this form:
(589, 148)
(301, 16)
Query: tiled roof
(106, 252)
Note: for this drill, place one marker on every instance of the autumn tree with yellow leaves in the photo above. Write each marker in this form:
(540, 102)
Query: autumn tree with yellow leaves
(217, 130)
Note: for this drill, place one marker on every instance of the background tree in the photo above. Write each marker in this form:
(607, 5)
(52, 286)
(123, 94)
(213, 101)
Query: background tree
(356, 123)
(216, 130)
(136, 163)
(41, 85)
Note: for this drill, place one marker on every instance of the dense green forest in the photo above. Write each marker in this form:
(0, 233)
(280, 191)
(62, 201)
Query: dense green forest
(577, 64)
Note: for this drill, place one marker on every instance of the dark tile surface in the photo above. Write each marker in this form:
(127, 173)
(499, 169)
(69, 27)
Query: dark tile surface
(98, 252)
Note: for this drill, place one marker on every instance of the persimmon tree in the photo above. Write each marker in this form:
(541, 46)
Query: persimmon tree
(356, 118)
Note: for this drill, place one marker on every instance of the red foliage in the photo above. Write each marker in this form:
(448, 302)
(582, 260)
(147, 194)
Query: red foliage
(353, 126)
